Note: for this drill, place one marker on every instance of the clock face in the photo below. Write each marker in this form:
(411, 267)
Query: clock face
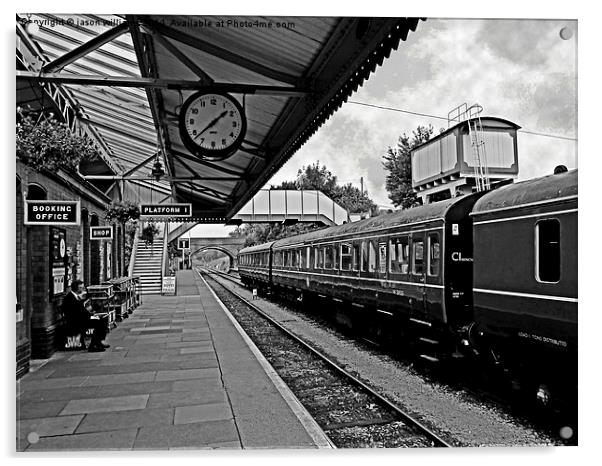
(212, 125)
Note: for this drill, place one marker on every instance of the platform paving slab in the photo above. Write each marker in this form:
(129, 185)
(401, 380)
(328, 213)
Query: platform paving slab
(178, 375)
(49, 426)
(104, 405)
(195, 435)
(122, 439)
(186, 398)
(99, 422)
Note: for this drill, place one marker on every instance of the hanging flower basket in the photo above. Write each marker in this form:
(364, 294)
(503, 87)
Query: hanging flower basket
(122, 212)
(44, 143)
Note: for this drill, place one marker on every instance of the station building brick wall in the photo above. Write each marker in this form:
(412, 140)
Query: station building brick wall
(39, 331)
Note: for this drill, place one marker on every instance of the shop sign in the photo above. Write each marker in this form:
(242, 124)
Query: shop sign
(166, 210)
(168, 286)
(99, 233)
(52, 212)
(184, 243)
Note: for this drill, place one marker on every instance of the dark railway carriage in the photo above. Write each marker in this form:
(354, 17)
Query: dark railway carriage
(525, 270)
(494, 272)
(415, 264)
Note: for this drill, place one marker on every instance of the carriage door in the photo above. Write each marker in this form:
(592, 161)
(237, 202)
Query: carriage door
(419, 273)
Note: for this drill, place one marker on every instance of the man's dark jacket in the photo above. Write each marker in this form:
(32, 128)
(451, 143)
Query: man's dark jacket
(74, 311)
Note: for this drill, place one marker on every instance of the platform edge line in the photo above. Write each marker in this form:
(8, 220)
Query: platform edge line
(307, 421)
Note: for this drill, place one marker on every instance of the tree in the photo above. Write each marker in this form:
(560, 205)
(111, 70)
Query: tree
(352, 199)
(316, 177)
(398, 164)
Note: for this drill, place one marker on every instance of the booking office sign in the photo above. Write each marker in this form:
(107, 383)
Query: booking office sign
(55, 214)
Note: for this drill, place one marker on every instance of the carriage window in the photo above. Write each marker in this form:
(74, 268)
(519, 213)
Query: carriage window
(328, 257)
(319, 257)
(399, 254)
(356, 256)
(418, 254)
(294, 257)
(547, 251)
(372, 259)
(302, 258)
(364, 255)
(335, 256)
(308, 255)
(434, 254)
(346, 256)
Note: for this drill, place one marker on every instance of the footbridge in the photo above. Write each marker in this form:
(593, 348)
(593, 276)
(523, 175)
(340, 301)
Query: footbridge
(228, 245)
(282, 206)
(291, 206)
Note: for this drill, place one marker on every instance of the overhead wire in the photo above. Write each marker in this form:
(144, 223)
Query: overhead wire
(399, 110)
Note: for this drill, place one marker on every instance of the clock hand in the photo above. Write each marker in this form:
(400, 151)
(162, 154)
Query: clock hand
(213, 122)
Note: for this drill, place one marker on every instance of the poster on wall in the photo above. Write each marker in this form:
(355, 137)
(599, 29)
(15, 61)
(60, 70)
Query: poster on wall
(79, 267)
(58, 260)
(101, 255)
(109, 263)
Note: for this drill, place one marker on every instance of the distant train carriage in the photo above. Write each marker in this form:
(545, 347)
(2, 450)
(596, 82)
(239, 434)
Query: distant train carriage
(414, 264)
(525, 268)
(254, 265)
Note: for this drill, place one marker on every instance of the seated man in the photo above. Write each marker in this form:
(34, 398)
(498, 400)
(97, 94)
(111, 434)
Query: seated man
(79, 318)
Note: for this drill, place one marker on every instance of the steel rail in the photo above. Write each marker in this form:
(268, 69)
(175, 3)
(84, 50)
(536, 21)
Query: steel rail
(437, 441)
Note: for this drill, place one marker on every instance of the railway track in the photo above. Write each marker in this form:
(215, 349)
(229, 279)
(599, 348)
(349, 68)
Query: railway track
(481, 390)
(352, 414)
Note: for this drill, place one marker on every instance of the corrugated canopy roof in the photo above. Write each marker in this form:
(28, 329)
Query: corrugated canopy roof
(125, 79)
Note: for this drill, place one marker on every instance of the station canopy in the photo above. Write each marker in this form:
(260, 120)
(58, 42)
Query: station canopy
(123, 79)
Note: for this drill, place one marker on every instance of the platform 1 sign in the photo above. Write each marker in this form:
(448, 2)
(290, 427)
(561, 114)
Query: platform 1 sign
(52, 213)
(166, 210)
(184, 243)
(168, 286)
(99, 233)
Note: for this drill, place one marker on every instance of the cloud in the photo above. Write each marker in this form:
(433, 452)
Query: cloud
(520, 70)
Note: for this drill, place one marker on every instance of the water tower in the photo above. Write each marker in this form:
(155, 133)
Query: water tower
(469, 156)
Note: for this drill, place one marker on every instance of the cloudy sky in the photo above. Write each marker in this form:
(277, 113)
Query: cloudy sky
(520, 70)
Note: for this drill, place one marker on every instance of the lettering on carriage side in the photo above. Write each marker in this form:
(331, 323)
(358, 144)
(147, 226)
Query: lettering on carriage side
(552, 341)
(456, 256)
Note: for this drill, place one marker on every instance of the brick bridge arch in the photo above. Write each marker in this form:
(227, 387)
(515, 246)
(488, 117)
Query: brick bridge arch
(228, 245)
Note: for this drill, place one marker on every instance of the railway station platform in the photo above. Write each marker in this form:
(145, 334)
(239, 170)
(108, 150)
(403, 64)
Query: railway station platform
(179, 374)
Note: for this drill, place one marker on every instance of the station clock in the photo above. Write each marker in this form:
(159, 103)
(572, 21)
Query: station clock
(212, 125)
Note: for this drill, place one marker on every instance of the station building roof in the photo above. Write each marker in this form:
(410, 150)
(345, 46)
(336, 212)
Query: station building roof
(125, 78)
